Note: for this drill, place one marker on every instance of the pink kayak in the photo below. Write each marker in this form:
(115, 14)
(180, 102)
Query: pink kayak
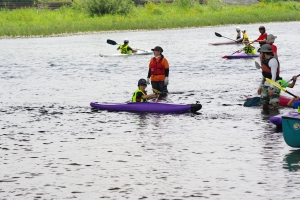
(225, 43)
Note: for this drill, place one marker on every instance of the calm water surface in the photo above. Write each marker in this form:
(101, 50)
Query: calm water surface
(53, 146)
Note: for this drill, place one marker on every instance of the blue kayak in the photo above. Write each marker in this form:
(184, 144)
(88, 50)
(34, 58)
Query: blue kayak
(154, 107)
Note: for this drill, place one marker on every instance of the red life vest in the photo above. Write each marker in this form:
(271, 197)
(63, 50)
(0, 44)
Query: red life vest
(266, 69)
(157, 68)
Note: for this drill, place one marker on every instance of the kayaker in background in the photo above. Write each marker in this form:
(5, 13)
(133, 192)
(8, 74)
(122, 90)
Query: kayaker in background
(140, 95)
(125, 48)
(263, 36)
(239, 37)
(269, 98)
(248, 49)
(158, 71)
(245, 36)
(270, 40)
(261, 39)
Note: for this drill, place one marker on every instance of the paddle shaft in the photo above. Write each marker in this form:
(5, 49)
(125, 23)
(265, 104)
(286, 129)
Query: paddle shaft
(219, 35)
(279, 86)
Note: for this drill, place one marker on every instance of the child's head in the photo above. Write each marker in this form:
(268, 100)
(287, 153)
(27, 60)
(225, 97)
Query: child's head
(246, 42)
(142, 84)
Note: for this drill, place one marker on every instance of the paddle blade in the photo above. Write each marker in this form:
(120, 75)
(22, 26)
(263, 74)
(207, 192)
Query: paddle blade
(218, 34)
(275, 84)
(111, 42)
(257, 65)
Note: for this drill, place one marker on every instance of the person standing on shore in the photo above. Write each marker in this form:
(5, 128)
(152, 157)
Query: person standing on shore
(158, 71)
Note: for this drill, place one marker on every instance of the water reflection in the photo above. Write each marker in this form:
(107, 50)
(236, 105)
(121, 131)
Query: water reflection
(292, 161)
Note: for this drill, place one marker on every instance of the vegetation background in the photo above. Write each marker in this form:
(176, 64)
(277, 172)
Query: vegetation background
(110, 15)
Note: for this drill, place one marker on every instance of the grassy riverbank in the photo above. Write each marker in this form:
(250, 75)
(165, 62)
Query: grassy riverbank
(68, 20)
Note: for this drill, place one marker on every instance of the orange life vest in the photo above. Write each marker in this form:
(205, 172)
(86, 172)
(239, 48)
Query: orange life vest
(156, 67)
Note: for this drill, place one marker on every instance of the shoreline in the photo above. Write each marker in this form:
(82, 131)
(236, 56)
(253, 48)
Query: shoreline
(120, 31)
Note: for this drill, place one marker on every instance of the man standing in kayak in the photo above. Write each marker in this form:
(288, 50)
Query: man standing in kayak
(270, 69)
(140, 95)
(125, 48)
(158, 71)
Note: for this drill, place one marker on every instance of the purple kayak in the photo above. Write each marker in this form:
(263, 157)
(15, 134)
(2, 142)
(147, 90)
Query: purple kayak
(154, 107)
(240, 55)
(277, 119)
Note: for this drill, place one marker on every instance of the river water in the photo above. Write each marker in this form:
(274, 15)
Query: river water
(54, 146)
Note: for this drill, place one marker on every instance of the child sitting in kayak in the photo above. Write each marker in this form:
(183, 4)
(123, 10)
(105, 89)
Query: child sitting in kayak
(125, 48)
(248, 49)
(140, 95)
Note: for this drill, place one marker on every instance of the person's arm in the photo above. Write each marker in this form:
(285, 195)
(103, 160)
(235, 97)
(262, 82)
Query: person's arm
(150, 96)
(131, 49)
(274, 66)
(294, 102)
(239, 40)
(291, 85)
(291, 102)
(260, 85)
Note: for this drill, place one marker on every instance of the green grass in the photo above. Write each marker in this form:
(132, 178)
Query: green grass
(68, 20)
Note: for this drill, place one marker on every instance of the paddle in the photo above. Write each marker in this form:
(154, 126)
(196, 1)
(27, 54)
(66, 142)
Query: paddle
(219, 35)
(279, 86)
(112, 42)
(259, 67)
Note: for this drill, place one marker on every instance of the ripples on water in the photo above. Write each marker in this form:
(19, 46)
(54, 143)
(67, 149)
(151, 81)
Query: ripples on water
(54, 146)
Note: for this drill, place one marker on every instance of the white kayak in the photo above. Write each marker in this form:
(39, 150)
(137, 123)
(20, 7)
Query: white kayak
(139, 52)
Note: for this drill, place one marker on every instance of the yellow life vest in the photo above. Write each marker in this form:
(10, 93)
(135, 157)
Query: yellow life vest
(249, 50)
(124, 50)
(134, 96)
(245, 36)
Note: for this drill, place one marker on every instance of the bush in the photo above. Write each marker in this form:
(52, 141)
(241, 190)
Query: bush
(102, 7)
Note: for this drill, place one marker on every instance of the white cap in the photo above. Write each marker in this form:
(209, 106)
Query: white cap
(237, 29)
(271, 38)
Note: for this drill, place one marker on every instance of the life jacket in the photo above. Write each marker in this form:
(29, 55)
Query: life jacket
(245, 36)
(261, 37)
(249, 50)
(266, 70)
(124, 49)
(134, 96)
(156, 67)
